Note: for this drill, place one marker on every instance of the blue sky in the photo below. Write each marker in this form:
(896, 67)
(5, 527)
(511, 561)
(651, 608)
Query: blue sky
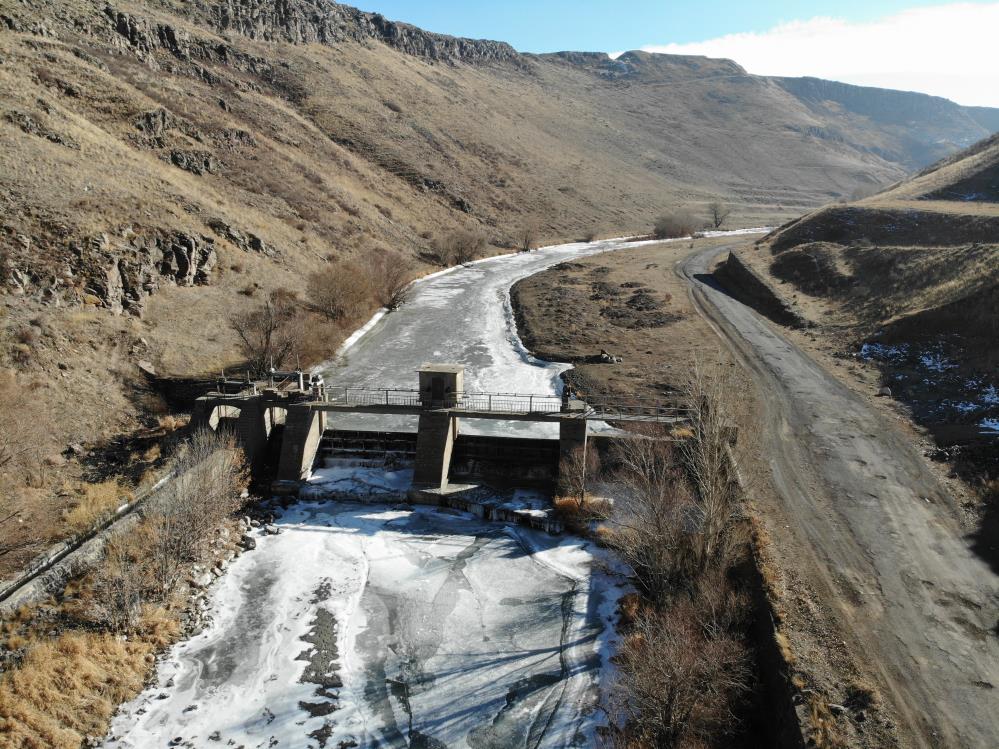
(605, 25)
(935, 47)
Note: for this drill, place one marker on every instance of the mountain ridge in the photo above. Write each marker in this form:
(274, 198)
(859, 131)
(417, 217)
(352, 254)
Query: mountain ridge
(170, 163)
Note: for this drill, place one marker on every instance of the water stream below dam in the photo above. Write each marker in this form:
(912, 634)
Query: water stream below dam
(370, 625)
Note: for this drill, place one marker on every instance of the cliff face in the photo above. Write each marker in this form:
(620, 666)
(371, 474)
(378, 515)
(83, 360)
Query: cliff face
(325, 22)
(929, 127)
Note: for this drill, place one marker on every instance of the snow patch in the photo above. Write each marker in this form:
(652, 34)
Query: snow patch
(884, 352)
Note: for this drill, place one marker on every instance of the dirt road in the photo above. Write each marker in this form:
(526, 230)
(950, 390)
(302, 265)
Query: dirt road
(878, 536)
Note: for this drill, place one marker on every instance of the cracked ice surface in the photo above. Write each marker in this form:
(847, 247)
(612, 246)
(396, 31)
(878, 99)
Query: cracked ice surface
(463, 315)
(447, 629)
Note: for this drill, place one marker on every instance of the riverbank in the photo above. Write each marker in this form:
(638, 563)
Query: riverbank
(628, 303)
(635, 306)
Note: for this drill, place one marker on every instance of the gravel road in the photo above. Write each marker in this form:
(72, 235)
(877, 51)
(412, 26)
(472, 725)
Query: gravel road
(880, 533)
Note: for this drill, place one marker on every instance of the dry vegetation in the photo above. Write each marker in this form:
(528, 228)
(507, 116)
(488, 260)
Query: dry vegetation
(562, 314)
(67, 664)
(458, 247)
(679, 223)
(283, 156)
(676, 522)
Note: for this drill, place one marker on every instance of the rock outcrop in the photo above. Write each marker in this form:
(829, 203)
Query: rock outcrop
(123, 275)
(118, 273)
(322, 22)
(246, 241)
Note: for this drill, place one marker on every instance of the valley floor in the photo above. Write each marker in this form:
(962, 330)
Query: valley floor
(887, 610)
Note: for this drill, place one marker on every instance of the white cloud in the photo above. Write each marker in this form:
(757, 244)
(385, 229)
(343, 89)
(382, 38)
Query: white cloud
(945, 50)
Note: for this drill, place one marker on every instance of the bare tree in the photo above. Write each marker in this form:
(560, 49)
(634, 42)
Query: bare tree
(654, 515)
(268, 334)
(707, 460)
(679, 679)
(577, 473)
(718, 212)
(390, 274)
(459, 247)
(528, 236)
(340, 291)
(679, 223)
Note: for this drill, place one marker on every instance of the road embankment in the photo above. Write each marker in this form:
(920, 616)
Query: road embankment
(745, 284)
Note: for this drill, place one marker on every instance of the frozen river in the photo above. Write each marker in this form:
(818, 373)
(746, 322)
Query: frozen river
(368, 626)
(463, 316)
(388, 628)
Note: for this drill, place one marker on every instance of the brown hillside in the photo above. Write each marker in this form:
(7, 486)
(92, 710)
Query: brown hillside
(167, 164)
(909, 282)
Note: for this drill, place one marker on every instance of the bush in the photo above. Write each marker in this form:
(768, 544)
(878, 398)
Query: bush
(340, 291)
(182, 517)
(458, 247)
(389, 274)
(679, 223)
(679, 677)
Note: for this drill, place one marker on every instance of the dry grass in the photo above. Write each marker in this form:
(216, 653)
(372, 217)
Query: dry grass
(68, 688)
(109, 623)
(95, 502)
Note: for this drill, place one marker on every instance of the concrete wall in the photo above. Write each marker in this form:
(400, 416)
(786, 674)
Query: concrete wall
(303, 431)
(434, 445)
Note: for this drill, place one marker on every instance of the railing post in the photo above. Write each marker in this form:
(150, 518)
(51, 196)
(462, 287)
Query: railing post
(530, 404)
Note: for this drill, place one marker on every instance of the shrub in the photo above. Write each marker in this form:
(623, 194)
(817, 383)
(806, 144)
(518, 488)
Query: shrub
(679, 223)
(182, 517)
(340, 291)
(459, 247)
(678, 679)
(389, 274)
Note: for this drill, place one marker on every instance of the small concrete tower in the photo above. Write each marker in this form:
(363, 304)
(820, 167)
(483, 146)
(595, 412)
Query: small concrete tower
(440, 384)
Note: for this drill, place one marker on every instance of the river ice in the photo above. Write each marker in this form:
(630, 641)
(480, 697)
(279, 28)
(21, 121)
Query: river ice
(401, 627)
(412, 627)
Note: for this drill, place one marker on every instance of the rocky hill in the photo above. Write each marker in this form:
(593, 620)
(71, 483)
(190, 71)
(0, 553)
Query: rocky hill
(908, 281)
(169, 163)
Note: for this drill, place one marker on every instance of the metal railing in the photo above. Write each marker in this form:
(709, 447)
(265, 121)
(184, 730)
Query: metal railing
(512, 403)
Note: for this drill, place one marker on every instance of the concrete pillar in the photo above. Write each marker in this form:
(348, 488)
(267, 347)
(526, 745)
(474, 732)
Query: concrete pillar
(303, 430)
(202, 414)
(251, 429)
(571, 437)
(434, 445)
